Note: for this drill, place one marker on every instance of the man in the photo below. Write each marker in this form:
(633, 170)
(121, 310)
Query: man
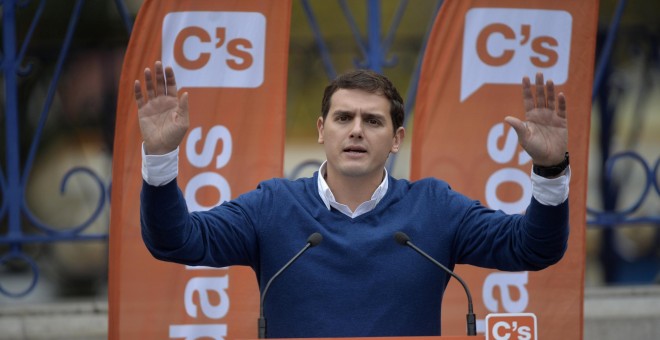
(358, 281)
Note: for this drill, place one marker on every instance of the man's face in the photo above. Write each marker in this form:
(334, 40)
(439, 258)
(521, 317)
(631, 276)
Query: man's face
(357, 134)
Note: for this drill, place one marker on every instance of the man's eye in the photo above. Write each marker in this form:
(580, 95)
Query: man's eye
(374, 121)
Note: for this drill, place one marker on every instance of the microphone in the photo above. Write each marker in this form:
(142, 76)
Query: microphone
(313, 240)
(403, 239)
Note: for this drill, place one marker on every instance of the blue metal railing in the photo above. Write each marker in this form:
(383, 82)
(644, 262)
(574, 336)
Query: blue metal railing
(618, 269)
(373, 51)
(13, 182)
(609, 218)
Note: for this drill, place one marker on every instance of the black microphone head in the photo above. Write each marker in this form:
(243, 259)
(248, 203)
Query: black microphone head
(401, 238)
(314, 239)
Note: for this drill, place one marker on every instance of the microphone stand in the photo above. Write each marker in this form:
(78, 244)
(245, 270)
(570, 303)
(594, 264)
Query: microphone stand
(403, 239)
(312, 241)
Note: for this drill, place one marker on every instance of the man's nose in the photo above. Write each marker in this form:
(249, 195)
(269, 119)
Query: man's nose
(356, 129)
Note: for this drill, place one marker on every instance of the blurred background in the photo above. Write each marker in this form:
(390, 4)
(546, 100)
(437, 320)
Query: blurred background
(57, 124)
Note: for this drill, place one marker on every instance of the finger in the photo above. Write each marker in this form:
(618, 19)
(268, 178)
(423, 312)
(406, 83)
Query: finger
(519, 126)
(170, 81)
(562, 105)
(550, 91)
(183, 106)
(160, 79)
(540, 91)
(528, 99)
(149, 83)
(139, 98)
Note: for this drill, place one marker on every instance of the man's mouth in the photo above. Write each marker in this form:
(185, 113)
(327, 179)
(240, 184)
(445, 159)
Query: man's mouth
(355, 149)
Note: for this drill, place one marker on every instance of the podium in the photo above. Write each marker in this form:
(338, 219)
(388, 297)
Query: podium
(452, 337)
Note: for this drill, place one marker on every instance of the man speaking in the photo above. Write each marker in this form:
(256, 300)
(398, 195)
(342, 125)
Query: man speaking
(357, 281)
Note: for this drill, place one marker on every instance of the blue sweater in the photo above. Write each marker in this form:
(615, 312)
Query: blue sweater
(358, 281)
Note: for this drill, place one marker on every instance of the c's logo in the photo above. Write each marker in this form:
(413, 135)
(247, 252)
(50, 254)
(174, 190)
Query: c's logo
(501, 45)
(514, 326)
(215, 49)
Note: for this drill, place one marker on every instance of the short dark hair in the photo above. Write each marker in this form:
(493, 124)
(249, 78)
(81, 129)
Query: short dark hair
(369, 81)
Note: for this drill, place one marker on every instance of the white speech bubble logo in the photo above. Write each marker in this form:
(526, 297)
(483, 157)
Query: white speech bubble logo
(215, 49)
(501, 45)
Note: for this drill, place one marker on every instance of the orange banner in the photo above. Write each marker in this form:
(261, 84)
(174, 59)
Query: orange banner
(476, 57)
(231, 57)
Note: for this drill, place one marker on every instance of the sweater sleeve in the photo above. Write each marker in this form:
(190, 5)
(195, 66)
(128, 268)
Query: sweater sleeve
(219, 237)
(532, 241)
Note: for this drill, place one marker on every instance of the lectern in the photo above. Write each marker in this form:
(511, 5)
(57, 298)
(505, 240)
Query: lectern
(460, 337)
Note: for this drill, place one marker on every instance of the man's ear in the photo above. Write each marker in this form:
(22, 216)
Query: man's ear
(319, 127)
(398, 139)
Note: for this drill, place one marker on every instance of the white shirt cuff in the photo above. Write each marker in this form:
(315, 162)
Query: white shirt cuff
(158, 170)
(551, 191)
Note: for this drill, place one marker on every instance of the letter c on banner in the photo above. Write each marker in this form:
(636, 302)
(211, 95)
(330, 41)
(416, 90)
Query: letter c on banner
(482, 44)
(179, 54)
(496, 330)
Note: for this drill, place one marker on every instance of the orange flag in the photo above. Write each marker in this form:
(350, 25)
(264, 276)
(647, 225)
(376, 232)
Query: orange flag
(476, 57)
(231, 57)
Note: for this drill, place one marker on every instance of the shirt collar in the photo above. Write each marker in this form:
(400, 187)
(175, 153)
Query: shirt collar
(328, 197)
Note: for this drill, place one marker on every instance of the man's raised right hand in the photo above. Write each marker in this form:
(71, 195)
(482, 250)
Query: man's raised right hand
(163, 117)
